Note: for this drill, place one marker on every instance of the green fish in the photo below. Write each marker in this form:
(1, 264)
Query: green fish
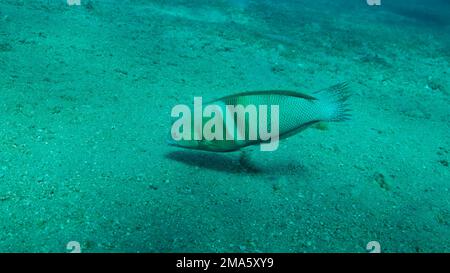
(294, 113)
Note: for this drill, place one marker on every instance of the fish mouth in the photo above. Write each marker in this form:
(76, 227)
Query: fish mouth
(171, 142)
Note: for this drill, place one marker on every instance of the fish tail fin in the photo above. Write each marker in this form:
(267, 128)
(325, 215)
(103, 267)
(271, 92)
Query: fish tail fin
(333, 102)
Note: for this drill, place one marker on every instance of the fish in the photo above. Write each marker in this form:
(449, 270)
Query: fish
(296, 112)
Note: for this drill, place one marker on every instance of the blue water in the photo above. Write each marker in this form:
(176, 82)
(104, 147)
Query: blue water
(86, 94)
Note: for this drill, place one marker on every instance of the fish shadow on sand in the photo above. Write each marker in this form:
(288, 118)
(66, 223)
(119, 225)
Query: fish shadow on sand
(230, 163)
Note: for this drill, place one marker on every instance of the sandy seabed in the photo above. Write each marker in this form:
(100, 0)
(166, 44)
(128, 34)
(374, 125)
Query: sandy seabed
(85, 99)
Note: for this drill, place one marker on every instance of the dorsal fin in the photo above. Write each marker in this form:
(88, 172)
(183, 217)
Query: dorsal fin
(269, 92)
